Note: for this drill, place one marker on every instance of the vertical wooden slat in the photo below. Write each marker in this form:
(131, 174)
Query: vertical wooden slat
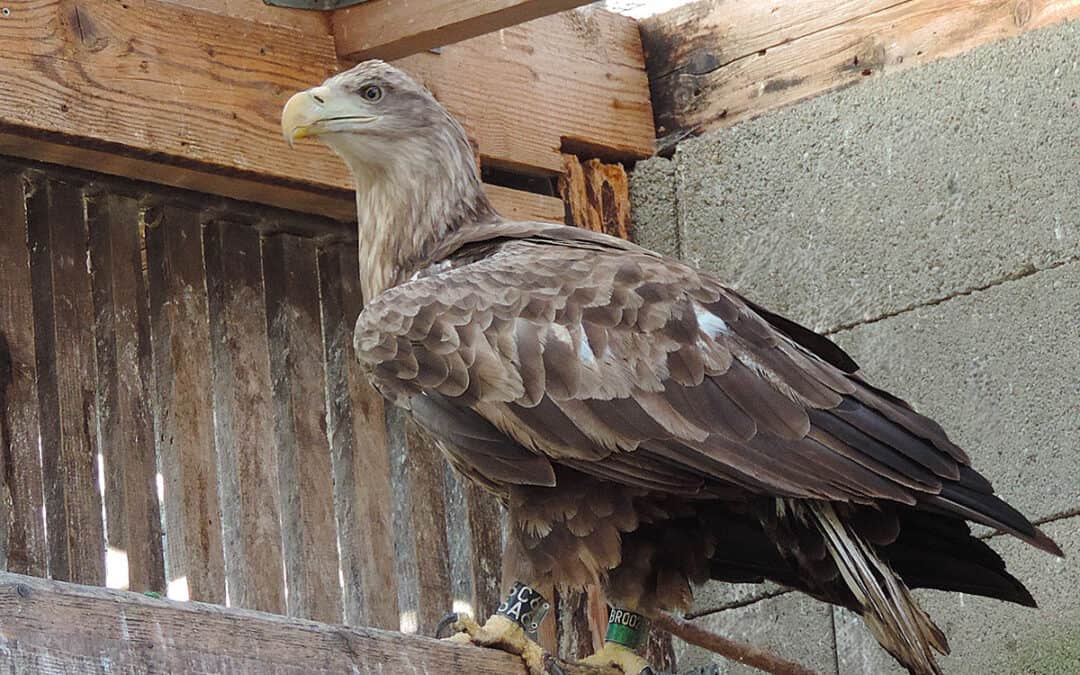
(248, 461)
(424, 473)
(126, 423)
(458, 537)
(361, 459)
(24, 524)
(299, 383)
(404, 541)
(63, 316)
(180, 334)
(108, 385)
(485, 537)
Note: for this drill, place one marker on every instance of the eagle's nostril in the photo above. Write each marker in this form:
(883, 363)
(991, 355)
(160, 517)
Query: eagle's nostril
(318, 98)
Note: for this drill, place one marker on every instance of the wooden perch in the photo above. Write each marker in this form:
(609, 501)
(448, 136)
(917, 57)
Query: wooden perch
(739, 652)
(54, 627)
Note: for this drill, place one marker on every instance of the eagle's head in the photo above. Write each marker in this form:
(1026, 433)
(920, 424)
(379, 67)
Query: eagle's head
(415, 172)
(375, 117)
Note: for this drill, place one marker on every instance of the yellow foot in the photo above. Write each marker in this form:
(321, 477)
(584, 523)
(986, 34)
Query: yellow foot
(623, 658)
(500, 632)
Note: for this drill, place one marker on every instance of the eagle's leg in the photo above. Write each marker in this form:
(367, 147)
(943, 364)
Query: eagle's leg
(509, 628)
(627, 632)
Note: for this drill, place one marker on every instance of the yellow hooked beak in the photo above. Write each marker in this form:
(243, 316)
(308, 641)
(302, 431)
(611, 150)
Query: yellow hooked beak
(319, 110)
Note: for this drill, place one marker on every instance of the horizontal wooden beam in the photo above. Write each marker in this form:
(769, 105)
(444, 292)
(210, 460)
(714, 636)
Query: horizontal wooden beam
(55, 627)
(573, 81)
(331, 202)
(165, 91)
(392, 29)
(713, 64)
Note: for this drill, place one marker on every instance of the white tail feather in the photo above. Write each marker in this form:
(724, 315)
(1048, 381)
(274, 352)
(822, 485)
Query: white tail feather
(889, 610)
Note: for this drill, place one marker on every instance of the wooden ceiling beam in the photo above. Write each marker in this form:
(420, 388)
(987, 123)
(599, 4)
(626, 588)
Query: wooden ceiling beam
(163, 90)
(714, 64)
(392, 29)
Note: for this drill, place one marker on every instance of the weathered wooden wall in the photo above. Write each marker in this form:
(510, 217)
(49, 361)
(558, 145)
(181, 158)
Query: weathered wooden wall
(151, 336)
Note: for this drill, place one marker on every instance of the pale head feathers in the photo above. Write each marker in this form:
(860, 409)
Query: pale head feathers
(415, 173)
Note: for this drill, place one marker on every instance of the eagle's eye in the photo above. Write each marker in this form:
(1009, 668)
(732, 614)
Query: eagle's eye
(371, 93)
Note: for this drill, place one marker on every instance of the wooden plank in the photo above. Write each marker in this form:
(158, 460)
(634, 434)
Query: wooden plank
(392, 29)
(24, 530)
(244, 417)
(521, 205)
(53, 628)
(337, 202)
(715, 64)
(298, 374)
(458, 541)
(63, 311)
(190, 91)
(124, 367)
(597, 196)
(145, 112)
(314, 23)
(427, 521)
(485, 519)
(180, 332)
(360, 453)
(579, 74)
(69, 150)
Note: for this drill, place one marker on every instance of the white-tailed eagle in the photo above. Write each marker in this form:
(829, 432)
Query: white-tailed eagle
(647, 428)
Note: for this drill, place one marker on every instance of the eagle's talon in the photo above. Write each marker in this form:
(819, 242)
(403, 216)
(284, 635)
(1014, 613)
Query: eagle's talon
(445, 625)
(499, 632)
(623, 658)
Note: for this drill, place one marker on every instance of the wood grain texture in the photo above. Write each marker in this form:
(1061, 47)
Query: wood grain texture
(305, 476)
(52, 628)
(110, 86)
(571, 80)
(426, 501)
(63, 315)
(597, 196)
(188, 86)
(180, 332)
(338, 203)
(244, 417)
(521, 205)
(24, 530)
(485, 520)
(713, 64)
(314, 23)
(124, 368)
(359, 450)
(392, 29)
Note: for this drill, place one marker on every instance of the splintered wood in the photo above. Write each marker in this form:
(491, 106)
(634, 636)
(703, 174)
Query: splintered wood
(597, 196)
(712, 64)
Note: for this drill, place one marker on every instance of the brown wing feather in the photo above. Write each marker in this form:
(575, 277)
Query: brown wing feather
(588, 351)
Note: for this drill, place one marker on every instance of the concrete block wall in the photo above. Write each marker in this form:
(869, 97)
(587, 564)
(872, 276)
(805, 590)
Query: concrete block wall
(930, 221)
